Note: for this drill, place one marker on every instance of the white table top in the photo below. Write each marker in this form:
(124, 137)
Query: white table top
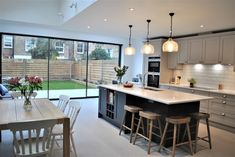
(163, 96)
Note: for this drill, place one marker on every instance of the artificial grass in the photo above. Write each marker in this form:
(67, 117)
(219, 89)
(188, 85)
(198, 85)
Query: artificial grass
(63, 84)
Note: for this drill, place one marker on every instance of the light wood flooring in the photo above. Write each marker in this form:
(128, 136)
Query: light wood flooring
(95, 137)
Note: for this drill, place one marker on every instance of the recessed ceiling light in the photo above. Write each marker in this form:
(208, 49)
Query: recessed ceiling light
(88, 27)
(201, 26)
(131, 9)
(105, 20)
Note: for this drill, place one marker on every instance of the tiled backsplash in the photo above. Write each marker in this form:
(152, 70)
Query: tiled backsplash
(208, 75)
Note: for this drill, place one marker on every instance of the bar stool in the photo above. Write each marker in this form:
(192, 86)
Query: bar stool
(177, 121)
(201, 116)
(133, 110)
(151, 117)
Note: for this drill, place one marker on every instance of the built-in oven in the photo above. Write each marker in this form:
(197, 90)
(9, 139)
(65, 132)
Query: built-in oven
(154, 64)
(153, 80)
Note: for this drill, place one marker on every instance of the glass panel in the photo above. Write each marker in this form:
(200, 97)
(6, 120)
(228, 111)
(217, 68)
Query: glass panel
(17, 62)
(102, 58)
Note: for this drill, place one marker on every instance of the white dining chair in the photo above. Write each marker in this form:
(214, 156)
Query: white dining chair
(16, 95)
(34, 94)
(31, 144)
(72, 112)
(63, 101)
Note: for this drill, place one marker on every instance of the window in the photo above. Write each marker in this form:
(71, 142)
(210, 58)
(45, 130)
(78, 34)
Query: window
(59, 46)
(81, 47)
(29, 44)
(8, 41)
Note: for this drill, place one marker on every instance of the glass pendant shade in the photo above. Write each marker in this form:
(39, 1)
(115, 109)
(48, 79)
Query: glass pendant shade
(129, 50)
(147, 49)
(170, 46)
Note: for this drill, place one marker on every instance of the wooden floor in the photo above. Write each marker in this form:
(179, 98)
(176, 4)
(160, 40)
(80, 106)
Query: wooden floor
(95, 137)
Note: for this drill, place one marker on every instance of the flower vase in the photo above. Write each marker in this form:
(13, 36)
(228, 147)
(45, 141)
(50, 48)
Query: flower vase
(119, 79)
(27, 104)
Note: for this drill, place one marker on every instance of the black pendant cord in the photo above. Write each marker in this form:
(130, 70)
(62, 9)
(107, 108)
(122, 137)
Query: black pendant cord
(148, 30)
(130, 36)
(171, 14)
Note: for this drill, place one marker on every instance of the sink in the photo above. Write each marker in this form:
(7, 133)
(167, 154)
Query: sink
(151, 88)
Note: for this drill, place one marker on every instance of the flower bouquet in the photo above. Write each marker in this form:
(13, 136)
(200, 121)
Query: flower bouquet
(26, 85)
(120, 71)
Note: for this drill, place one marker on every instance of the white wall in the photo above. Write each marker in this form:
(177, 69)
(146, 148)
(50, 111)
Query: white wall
(134, 62)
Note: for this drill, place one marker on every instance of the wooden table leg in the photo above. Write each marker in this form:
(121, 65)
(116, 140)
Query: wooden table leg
(66, 136)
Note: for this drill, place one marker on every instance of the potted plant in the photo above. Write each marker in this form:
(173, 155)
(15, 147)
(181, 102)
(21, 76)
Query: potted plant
(120, 71)
(192, 82)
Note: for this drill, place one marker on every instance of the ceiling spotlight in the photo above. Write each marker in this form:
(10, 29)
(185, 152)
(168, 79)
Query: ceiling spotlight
(201, 26)
(131, 9)
(105, 20)
(88, 27)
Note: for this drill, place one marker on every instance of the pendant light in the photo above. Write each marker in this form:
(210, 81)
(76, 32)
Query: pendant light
(147, 47)
(130, 50)
(170, 45)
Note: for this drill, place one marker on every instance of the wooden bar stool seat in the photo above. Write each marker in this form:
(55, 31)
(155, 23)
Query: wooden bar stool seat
(151, 117)
(133, 110)
(177, 121)
(201, 116)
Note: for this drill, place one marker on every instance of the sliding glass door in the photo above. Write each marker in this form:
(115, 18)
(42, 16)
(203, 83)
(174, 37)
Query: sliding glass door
(69, 67)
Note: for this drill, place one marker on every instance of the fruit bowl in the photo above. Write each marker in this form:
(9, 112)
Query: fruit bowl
(128, 85)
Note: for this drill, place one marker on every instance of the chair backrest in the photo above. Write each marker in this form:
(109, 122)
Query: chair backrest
(63, 101)
(73, 111)
(16, 95)
(34, 94)
(28, 144)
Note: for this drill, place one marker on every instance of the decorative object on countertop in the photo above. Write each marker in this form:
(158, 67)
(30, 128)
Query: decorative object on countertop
(26, 85)
(120, 72)
(192, 82)
(170, 45)
(220, 86)
(130, 50)
(177, 80)
(128, 85)
(147, 47)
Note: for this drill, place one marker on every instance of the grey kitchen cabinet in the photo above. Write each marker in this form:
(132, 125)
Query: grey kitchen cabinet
(183, 51)
(211, 50)
(172, 61)
(227, 49)
(222, 109)
(102, 101)
(195, 53)
(120, 100)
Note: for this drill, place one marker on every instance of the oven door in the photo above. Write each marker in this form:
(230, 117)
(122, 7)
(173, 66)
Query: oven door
(154, 66)
(153, 81)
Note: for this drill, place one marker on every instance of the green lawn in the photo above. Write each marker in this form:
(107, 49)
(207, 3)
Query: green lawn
(63, 84)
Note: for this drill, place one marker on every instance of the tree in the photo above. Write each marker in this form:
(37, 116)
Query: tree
(99, 54)
(41, 50)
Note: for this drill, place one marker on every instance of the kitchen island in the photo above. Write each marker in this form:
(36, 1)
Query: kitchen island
(112, 99)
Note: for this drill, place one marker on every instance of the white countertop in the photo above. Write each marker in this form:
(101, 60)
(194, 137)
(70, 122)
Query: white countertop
(164, 96)
(208, 89)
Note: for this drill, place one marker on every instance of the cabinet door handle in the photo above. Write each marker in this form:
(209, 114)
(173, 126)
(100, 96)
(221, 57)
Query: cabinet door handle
(222, 114)
(192, 91)
(224, 96)
(224, 102)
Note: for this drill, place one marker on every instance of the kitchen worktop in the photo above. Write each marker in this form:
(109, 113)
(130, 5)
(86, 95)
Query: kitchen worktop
(159, 95)
(208, 89)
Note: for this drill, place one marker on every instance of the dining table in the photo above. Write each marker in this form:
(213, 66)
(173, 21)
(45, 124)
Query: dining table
(12, 110)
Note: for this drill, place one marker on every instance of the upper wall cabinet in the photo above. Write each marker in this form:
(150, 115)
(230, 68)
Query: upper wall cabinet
(211, 50)
(227, 49)
(195, 52)
(183, 51)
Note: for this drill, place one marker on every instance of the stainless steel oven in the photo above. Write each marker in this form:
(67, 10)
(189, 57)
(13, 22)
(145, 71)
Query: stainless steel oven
(154, 64)
(153, 80)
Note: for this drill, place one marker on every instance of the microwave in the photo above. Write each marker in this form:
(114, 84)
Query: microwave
(154, 64)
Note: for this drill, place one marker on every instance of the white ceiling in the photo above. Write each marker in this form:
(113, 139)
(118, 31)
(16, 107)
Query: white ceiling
(189, 15)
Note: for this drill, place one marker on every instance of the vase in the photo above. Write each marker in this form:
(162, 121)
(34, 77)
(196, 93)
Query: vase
(27, 104)
(119, 79)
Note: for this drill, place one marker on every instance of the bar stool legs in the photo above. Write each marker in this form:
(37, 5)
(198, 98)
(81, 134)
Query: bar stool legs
(133, 110)
(177, 121)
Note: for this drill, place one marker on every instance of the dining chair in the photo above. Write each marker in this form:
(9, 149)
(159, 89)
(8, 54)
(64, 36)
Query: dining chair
(63, 101)
(34, 94)
(31, 144)
(72, 112)
(16, 95)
